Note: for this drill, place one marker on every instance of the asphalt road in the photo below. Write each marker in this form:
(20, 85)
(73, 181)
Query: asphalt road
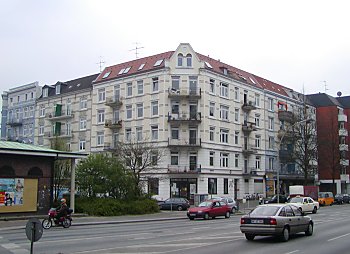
(331, 235)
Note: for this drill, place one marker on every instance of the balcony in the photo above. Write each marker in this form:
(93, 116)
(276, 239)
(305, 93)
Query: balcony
(15, 122)
(343, 147)
(184, 117)
(248, 172)
(286, 116)
(344, 178)
(114, 101)
(287, 135)
(343, 132)
(59, 116)
(184, 169)
(61, 134)
(248, 106)
(186, 143)
(342, 118)
(185, 93)
(248, 127)
(113, 124)
(344, 162)
(248, 150)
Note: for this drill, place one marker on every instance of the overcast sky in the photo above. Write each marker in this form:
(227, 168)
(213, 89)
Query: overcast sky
(294, 43)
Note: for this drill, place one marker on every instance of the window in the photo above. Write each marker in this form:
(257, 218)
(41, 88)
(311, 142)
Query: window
(224, 160)
(155, 84)
(154, 132)
(100, 116)
(175, 83)
(236, 138)
(179, 60)
(236, 114)
(257, 162)
(139, 133)
(271, 162)
(175, 107)
(128, 111)
(106, 74)
(225, 185)
(82, 145)
(140, 87)
(128, 134)
(101, 95)
(257, 141)
(236, 160)
(154, 106)
(174, 159)
(212, 185)
(175, 133)
(116, 116)
(45, 92)
(139, 107)
(26, 112)
(189, 60)
(32, 95)
(211, 109)
(212, 85)
(30, 129)
(257, 100)
(271, 123)
(141, 66)
(211, 133)
(270, 106)
(159, 62)
(100, 138)
(271, 142)
(83, 103)
(58, 89)
(41, 130)
(257, 120)
(31, 111)
(223, 136)
(211, 158)
(42, 110)
(224, 90)
(25, 130)
(154, 158)
(224, 112)
(236, 94)
(129, 89)
(82, 124)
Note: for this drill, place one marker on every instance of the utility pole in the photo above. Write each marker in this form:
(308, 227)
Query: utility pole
(136, 50)
(100, 63)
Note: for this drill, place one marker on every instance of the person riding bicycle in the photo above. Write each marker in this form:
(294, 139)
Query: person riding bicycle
(62, 210)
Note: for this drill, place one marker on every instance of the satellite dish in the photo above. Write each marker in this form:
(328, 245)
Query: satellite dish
(339, 93)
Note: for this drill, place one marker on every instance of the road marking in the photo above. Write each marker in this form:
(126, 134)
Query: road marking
(335, 238)
(294, 251)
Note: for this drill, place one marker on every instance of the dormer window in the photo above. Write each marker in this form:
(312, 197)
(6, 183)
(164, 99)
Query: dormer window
(58, 89)
(45, 92)
(179, 60)
(106, 74)
(189, 60)
(225, 71)
(159, 62)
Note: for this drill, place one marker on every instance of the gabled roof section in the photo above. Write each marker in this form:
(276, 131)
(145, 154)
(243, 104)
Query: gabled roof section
(133, 67)
(345, 101)
(323, 100)
(271, 86)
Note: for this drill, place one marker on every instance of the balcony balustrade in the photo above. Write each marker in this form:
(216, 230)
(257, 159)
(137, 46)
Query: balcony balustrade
(185, 93)
(343, 132)
(248, 106)
(60, 115)
(344, 162)
(114, 101)
(15, 122)
(113, 124)
(61, 134)
(284, 115)
(342, 118)
(185, 117)
(249, 171)
(343, 147)
(248, 127)
(184, 169)
(248, 150)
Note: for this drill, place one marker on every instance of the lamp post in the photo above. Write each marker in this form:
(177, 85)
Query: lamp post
(281, 140)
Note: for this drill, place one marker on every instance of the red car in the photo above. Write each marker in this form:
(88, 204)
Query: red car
(209, 209)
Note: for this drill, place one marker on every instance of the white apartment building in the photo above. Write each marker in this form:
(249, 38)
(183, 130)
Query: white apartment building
(218, 125)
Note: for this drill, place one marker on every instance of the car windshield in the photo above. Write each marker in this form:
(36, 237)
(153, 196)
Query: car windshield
(204, 204)
(296, 200)
(264, 211)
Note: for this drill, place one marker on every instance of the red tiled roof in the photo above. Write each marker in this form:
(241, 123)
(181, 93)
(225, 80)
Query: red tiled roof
(271, 86)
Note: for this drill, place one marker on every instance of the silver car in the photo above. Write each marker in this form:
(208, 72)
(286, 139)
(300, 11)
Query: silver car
(229, 201)
(280, 220)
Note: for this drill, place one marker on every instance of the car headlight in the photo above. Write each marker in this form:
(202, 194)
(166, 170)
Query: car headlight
(200, 211)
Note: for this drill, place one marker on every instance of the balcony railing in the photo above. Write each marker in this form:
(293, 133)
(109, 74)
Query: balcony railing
(284, 115)
(114, 101)
(342, 118)
(113, 124)
(344, 162)
(248, 150)
(288, 134)
(190, 142)
(185, 93)
(181, 169)
(61, 134)
(343, 132)
(248, 172)
(343, 147)
(185, 117)
(248, 127)
(15, 122)
(59, 116)
(248, 106)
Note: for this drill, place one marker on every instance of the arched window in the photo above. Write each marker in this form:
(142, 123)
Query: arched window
(179, 59)
(189, 60)
(35, 172)
(7, 171)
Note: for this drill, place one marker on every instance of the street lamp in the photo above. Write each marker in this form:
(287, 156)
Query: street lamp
(281, 140)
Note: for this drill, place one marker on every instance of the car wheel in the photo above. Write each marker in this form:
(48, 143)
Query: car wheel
(191, 218)
(285, 235)
(310, 229)
(206, 216)
(233, 210)
(179, 208)
(249, 237)
(315, 210)
(227, 215)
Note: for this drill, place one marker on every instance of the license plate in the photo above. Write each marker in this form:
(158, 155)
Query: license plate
(257, 221)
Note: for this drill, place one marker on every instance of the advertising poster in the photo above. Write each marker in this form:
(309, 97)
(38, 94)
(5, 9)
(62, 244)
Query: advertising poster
(11, 191)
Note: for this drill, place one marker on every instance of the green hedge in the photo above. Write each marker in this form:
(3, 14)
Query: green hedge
(114, 207)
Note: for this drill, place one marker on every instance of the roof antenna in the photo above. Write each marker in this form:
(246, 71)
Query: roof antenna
(101, 63)
(325, 86)
(136, 50)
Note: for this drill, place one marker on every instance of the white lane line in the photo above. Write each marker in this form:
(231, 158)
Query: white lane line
(335, 238)
(294, 251)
